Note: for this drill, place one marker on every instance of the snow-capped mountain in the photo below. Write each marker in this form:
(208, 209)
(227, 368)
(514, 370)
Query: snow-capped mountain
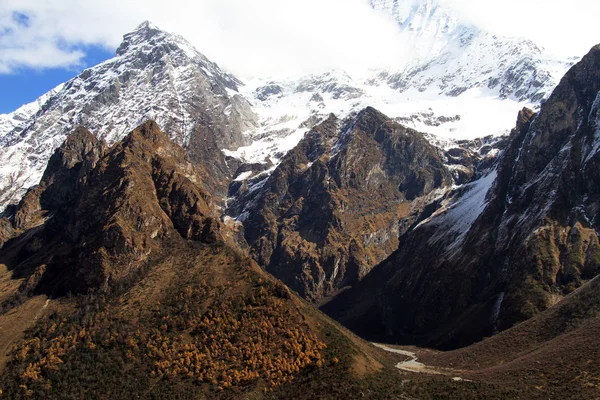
(8, 122)
(153, 75)
(509, 244)
(450, 57)
(288, 108)
(161, 76)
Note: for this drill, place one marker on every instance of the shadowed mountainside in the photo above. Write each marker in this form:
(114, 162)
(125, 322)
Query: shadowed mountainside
(504, 247)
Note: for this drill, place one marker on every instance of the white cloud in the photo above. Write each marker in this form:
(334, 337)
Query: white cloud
(248, 37)
(271, 36)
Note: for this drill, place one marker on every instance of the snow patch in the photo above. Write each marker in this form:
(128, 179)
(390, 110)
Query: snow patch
(460, 215)
(243, 176)
(594, 121)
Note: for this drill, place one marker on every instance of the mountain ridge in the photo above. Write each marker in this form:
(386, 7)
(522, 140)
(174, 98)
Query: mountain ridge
(209, 110)
(132, 287)
(335, 204)
(139, 264)
(452, 57)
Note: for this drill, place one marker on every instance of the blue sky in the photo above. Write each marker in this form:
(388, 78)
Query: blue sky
(26, 84)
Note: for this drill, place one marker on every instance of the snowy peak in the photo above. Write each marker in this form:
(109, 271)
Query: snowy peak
(155, 75)
(142, 35)
(449, 56)
(149, 44)
(462, 82)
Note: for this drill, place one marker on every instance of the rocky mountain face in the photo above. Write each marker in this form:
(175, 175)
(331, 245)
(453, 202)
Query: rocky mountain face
(504, 247)
(460, 82)
(137, 281)
(60, 183)
(99, 212)
(336, 204)
(159, 74)
(468, 159)
(153, 75)
(451, 57)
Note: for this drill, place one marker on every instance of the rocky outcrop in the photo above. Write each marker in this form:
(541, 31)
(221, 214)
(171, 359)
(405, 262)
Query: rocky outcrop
(338, 201)
(66, 172)
(105, 212)
(509, 245)
(7, 231)
(131, 276)
(468, 159)
(68, 168)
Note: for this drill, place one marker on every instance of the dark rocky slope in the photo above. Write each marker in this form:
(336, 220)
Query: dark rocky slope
(338, 201)
(506, 246)
(94, 218)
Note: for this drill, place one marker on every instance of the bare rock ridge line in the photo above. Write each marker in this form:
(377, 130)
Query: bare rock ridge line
(150, 291)
(322, 215)
(309, 217)
(167, 273)
(337, 202)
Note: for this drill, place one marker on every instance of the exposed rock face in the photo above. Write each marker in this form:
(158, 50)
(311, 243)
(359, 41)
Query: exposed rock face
(509, 245)
(160, 76)
(68, 168)
(338, 201)
(468, 159)
(61, 182)
(6, 231)
(131, 232)
(101, 213)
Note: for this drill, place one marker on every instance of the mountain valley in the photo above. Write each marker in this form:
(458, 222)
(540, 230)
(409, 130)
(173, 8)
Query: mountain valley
(169, 230)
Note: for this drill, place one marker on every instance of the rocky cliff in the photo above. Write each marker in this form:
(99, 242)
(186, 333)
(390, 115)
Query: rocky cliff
(100, 212)
(338, 201)
(119, 281)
